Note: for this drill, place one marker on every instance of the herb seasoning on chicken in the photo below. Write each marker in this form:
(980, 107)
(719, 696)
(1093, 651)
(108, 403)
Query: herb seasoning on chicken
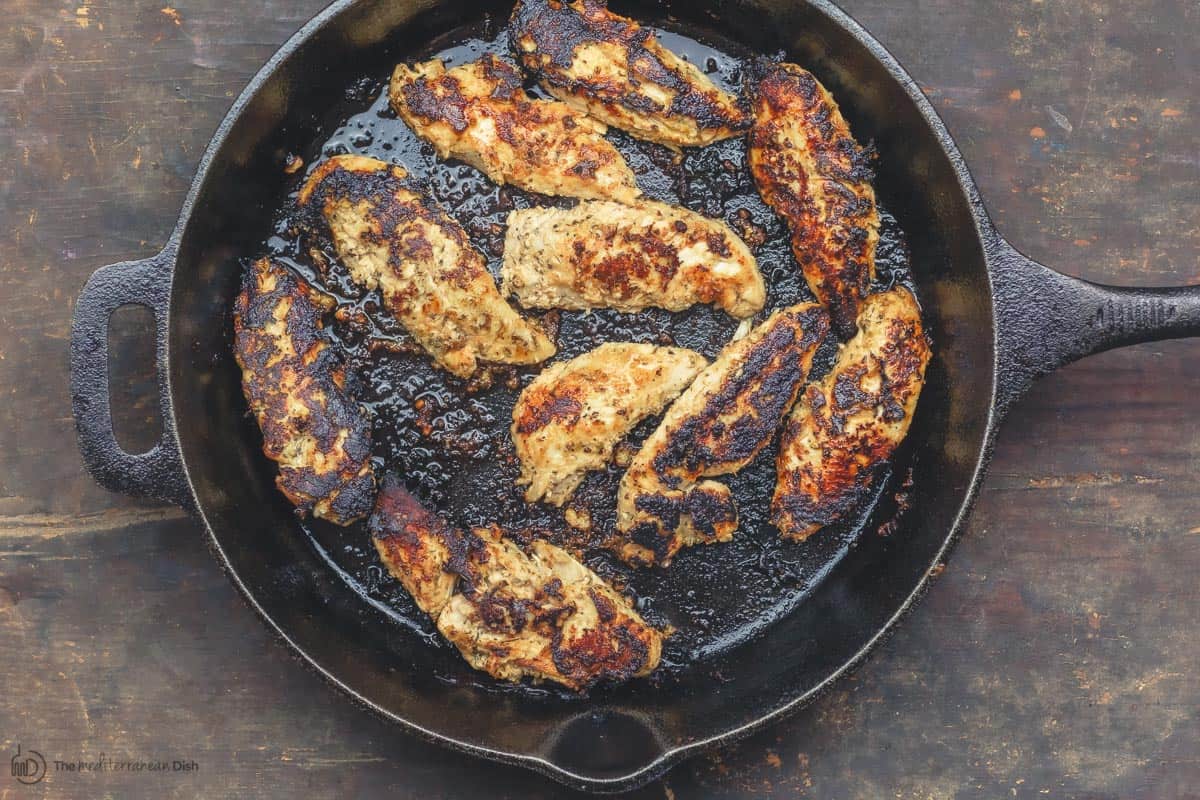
(393, 237)
(573, 415)
(480, 113)
(628, 257)
(541, 615)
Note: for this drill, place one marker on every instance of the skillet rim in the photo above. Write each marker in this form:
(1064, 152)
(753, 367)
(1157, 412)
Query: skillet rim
(991, 245)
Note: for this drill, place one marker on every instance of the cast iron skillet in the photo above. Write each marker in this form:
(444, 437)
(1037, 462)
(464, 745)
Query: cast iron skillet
(999, 321)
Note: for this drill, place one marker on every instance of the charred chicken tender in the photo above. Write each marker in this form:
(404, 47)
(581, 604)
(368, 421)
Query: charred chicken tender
(631, 257)
(479, 113)
(393, 237)
(716, 427)
(296, 385)
(416, 546)
(545, 616)
(512, 614)
(846, 426)
(572, 417)
(811, 171)
(620, 74)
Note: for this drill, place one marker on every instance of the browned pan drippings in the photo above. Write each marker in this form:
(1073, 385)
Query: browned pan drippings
(450, 439)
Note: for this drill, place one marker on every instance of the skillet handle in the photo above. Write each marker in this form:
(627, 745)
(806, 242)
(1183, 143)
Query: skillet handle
(157, 473)
(1046, 320)
(606, 750)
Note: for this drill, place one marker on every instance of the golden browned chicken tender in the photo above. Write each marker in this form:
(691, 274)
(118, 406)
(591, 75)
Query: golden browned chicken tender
(546, 616)
(845, 427)
(296, 386)
(716, 427)
(541, 615)
(811, 171)
(392, 236)
(619, 73)
(573, 415)
(479, 113)
(628, 257)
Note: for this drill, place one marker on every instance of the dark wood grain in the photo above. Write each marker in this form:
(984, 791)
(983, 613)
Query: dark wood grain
(1056, 656)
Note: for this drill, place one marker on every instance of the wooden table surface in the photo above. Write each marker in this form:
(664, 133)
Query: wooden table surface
(1056, 656)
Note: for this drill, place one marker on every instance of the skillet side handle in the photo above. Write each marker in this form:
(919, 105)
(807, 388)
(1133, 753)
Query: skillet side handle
(1046, 320)
(606, 751)
(157, 473)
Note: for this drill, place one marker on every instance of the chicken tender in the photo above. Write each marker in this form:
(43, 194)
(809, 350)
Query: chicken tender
(619, 73)
(479, 113)
(845, 427)
(417, 546)
(811, 171)
(512, 614)
(393, 237)
(298, 390)
(628, 257)
(573, 415)
(716, 427)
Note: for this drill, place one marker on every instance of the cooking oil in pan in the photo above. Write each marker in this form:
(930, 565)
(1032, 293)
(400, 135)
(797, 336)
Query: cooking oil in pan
(450, 439)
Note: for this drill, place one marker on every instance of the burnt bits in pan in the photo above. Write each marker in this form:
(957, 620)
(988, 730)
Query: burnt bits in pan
(450, 437)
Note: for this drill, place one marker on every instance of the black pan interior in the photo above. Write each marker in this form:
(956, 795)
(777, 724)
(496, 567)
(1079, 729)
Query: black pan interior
(450, 439)
(320, 585)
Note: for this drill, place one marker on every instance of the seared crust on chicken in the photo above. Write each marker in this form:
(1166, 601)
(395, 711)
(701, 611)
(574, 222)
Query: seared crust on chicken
(546, 616)
(573, 415)
(628, 257)
(416, 546)
(480, 113)
(845, 427)
(811, 171)
(296, 386)
(541, 615)
(619, 73)
(717, 427)
(392, 236)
